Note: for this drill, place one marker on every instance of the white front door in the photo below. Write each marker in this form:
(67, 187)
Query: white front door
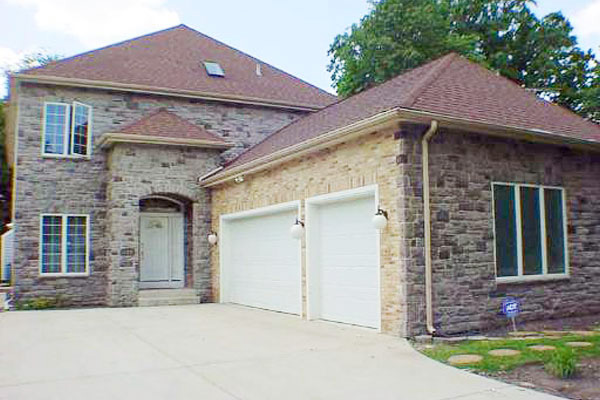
(161, 250)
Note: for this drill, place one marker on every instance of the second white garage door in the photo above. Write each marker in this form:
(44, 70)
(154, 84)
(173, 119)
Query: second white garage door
(260, 261)
(343, 260)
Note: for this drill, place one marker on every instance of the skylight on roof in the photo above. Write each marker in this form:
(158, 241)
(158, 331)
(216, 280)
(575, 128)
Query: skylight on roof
(213, 68)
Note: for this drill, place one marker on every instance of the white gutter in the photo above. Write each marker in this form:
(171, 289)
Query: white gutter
(161, 91)
(108, 139)
(427, 222)
(210, 173)
(399, 114)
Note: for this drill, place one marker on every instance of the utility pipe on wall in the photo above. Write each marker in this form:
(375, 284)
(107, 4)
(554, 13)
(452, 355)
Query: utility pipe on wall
(427, 222)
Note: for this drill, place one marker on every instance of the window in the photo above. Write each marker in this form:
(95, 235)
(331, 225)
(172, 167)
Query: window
(67, 129)
(214, 68)
(530, 231)
(64, 244)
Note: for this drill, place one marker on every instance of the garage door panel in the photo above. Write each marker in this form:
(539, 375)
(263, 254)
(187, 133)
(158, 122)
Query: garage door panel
(346, 261)
(262, 267)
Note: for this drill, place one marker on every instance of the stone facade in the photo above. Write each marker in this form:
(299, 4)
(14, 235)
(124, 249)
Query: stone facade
(138, 171)
(462, 169)
(364, 161)
(97, 187)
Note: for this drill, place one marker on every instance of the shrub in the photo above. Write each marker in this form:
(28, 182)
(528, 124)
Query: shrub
(562, 364)
(39, 303)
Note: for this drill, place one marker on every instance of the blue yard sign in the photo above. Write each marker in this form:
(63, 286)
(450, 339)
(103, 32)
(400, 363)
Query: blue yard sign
(511, 307)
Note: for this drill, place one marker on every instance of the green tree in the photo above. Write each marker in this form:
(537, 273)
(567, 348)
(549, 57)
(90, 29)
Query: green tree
(504, 35)
(29, 61)
(4, 171)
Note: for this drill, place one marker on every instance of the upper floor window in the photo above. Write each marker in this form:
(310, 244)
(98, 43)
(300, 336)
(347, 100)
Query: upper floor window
(67, 129)
(530, 231)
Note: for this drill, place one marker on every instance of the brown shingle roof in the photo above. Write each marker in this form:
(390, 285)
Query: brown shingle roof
(165, 124)
(450, 86)
(173, 59)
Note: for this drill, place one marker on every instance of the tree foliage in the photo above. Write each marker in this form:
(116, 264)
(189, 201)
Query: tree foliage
(31, 60)
(504, 35)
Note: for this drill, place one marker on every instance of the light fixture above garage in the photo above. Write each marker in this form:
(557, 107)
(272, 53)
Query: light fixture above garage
(297, 230)
(380, 219)
(212, 238)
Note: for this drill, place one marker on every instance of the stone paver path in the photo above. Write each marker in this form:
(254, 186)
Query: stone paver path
(579, 344)
(504, 353)
(542, 347)
(583, 333)
(465, 359)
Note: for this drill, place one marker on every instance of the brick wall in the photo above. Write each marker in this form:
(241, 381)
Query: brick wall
(370, 159)
(46, 185)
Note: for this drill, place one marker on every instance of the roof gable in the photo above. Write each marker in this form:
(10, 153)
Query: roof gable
(450, 86)
(174, 59)
(163, 123)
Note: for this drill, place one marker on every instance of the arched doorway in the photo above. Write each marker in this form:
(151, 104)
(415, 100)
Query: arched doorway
(162, 238)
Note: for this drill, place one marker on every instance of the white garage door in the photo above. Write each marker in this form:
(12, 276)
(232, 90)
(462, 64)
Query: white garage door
(261, 262)
(344, 270)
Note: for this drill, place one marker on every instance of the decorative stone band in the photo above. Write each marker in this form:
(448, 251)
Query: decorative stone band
(108, 139)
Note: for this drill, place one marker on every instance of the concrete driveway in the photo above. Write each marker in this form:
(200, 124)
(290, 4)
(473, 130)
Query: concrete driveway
(213, 351)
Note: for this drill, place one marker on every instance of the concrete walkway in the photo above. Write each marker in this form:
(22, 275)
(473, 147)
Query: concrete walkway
(218, 352)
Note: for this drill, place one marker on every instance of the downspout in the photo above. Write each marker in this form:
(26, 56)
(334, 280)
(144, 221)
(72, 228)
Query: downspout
(427, 222)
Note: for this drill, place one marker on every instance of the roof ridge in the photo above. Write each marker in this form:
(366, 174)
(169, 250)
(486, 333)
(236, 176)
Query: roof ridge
(122, 42)
(260, 61)
(429, 77)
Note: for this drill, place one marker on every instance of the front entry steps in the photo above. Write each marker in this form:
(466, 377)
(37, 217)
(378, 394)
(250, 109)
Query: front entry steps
(167, 297)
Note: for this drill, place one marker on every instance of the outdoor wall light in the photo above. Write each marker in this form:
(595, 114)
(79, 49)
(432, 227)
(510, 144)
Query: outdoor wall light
(212, 238)
(297, 230)
(239, 179)
(380, 219)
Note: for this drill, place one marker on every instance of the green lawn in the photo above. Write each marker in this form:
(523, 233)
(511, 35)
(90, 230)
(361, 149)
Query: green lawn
(441, 352)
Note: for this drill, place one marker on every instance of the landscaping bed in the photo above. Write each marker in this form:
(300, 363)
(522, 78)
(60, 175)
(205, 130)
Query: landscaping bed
(561, 362)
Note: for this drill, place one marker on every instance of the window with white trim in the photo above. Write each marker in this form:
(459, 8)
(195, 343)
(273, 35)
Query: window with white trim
(530, 231)
(67, 129)
(64, 244)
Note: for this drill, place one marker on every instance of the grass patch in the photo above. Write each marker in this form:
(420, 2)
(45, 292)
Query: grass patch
(562, 364)
(442, 352)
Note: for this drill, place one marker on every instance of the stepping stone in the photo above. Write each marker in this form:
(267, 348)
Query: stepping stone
(465, 359)
(579, 344)
(554, 333)
(504, 352)
(583, 333)
(553, 337)
(523, 334)
(542, 347)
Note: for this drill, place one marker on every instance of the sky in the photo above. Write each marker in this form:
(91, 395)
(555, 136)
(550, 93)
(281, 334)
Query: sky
(289, 34)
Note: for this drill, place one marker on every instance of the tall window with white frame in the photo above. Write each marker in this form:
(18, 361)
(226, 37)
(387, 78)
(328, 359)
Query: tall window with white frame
(67, 129)
(64, 244)
(530, 231)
